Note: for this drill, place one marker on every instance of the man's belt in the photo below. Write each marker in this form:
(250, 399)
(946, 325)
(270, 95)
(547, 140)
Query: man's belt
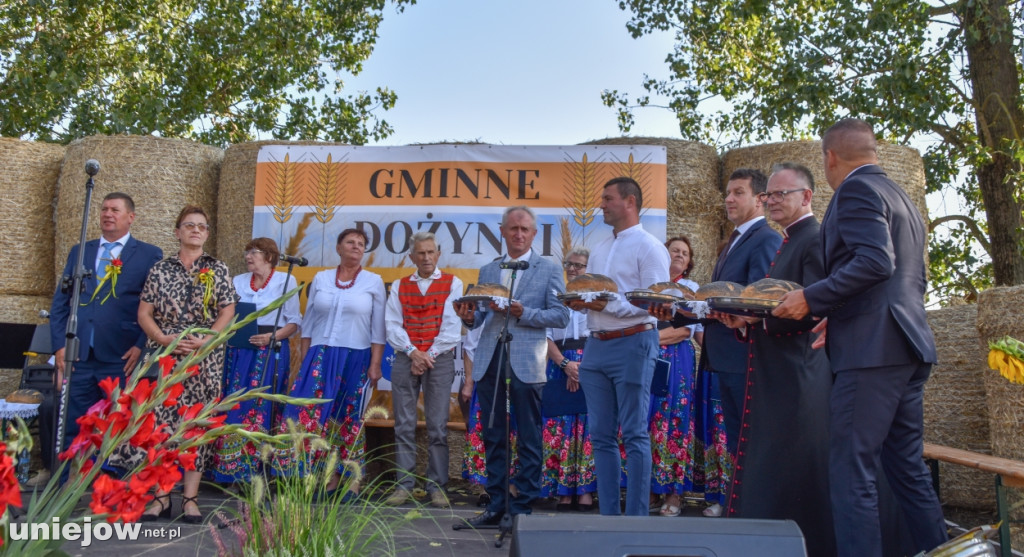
(619, 333)
(571, 344)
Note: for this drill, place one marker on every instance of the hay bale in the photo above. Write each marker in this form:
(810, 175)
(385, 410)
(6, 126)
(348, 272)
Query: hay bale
(26, 213)
(997, 316)
(695, 206)
(955, 410)
(16, 308)
(237, 197)
(162, 175)
(903, 165)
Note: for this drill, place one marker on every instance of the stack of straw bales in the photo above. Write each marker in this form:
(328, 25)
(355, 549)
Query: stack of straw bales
(26, 209)
(694, 198)
(162, 176)
(903, 165)
(999, 315)
(955, 409)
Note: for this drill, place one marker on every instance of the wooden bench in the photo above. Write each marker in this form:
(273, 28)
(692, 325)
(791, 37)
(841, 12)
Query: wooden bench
(1009, 473)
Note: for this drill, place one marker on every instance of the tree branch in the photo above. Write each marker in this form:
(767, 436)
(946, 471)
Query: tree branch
(971, 224)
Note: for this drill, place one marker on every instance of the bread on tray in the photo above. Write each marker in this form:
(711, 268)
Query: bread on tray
(488, 289)
(718, 289)
(25, 396)
(660, 287)
(591, 282)
(769, 289)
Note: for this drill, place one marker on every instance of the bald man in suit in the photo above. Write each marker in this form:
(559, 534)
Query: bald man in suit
(879, 344)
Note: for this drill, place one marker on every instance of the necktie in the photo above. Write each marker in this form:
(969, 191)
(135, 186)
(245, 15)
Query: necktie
(725, 251)
(108, 248)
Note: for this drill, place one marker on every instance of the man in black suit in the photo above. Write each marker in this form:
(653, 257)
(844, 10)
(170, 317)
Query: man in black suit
(784, 431)
(111, 339)
(879, 344)
(745, 258)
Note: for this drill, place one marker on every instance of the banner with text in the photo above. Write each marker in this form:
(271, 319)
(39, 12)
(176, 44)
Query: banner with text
(307, 194)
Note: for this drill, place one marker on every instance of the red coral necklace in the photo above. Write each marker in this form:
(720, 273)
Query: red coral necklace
(252, 281)
(337, 278)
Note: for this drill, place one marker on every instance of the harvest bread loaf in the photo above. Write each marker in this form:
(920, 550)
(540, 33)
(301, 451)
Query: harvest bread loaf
(667, 285)
(591, 282)
(488, 289)
(25, 396)
(769, 289)
(717, 289)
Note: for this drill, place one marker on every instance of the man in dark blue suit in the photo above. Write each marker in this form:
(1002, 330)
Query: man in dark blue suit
(111, 340)
(879, 344)
(746, 258)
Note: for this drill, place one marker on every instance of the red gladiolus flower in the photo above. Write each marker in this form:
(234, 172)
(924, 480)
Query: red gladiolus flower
(108, 385)
(107, 494)
(149, 433)
(139, 394)
(190, 412)
(173, 392)
(162, 471)
(187, 459)
(167, 364)
(10, 492)
(193, 371)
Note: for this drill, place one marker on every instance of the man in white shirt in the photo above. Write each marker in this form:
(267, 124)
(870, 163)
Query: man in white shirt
(423, 329)
(618, 360)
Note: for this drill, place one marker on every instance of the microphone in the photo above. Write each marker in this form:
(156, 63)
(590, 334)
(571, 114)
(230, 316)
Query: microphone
(92, 167)
(295, 259)
(514, 265)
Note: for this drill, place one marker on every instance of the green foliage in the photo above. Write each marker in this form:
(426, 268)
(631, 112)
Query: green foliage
(217, 71)
(790, 69)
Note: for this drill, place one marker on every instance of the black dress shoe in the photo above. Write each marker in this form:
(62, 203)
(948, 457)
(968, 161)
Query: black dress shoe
(486, 518)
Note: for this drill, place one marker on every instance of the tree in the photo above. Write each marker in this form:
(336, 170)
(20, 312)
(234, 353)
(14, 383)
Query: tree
(217, 71)
(947, 73)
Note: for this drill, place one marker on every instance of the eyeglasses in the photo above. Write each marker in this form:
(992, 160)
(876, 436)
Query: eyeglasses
(254, 251)
(202, 226)
(569, 265)
(777, 196)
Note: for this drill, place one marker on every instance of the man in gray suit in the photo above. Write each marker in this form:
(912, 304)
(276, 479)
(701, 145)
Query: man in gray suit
(879, 344)
(534, 309)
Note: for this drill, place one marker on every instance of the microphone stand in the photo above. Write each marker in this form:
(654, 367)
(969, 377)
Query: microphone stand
(505, 369)
(76, 283)
(275, 346)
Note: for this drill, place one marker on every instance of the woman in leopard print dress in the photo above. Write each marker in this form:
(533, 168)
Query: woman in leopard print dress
(173, 300)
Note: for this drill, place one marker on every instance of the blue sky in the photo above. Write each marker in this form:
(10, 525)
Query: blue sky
(520, 72)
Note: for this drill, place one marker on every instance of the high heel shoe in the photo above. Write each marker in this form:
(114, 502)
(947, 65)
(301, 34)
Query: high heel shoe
(190, 518)
(165, 509)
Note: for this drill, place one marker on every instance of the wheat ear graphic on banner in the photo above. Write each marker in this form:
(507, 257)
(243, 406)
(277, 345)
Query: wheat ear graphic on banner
(582, 195)
(639, 171)
(281, 186)
(326, 194)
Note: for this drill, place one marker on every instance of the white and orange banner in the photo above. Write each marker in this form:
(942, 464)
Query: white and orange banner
(307, 194)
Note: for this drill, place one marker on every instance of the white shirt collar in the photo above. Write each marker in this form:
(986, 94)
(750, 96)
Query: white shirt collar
(746, 226)
(123, 240)
(629, 230)
(433, 276)
(524, 257)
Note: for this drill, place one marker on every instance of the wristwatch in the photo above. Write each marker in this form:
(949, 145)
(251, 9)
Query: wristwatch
(563, 363)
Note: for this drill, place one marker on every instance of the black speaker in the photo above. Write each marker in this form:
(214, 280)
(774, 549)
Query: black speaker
(640, 536)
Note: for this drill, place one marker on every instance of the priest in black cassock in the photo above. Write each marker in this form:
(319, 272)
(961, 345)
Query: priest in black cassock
(782, 463)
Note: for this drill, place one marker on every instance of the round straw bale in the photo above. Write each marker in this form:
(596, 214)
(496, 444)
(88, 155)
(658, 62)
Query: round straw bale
(237, 197)
(26, 213)
(162, 176)
(955, 410)
(903, 165)
(695, 206)
(15, 308)
(997, 316)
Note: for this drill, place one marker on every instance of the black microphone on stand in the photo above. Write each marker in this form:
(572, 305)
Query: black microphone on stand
(294, 259)
(514, 265)
(92, 167)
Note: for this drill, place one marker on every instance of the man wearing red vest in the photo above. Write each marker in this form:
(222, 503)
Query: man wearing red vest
(423, 329)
